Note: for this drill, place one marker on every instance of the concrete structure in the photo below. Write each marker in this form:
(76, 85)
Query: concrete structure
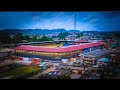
(6, 65)
(71, 37)
(6, 53)
(93, 56)
(57, 53)
(75, 76)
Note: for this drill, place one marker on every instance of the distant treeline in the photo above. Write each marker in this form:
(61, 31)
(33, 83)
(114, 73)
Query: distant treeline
(19, 38)
(38, 35)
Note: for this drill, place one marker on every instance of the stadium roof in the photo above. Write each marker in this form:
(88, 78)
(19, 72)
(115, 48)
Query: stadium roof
(81, 41)
(58, 49)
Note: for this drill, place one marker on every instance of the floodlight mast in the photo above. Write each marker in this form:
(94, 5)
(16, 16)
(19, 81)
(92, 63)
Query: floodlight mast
(75, 21)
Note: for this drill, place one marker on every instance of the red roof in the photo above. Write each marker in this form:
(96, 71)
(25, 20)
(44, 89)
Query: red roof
(58, 49)
(81, 41)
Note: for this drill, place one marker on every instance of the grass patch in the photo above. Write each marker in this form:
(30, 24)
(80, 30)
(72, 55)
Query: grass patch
(20, 71)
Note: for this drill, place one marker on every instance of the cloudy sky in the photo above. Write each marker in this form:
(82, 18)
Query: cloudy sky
(86, 21)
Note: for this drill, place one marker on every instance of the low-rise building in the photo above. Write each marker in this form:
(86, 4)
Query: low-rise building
(6, 53)
(75, 76)
(6, 65)
(93, 56)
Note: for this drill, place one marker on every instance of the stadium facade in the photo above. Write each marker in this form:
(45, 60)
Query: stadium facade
(56, 50)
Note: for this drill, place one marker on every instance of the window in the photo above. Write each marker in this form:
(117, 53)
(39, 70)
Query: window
(41, 52)
(50, 53)
(75, 51)
(30, 52)
(55, 53)
(33, 52)
(85, 57)
(68, 52)
(47, 53)
(19, 50)
(71, 52)
(64, 53)
(36, 52)
(60, 53)
(44, 52)
(23, 50)
(90, 57)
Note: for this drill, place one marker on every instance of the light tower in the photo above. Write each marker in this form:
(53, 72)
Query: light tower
(75, 21)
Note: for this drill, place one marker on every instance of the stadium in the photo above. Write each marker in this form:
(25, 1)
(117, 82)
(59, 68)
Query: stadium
(55, 50)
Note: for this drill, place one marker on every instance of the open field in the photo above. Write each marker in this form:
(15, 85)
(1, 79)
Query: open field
(20, 71)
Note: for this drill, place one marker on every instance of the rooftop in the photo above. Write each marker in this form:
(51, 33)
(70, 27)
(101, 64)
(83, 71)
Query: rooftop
(5, 50)
(62, 72)
(96, 53)
(6, 63)
(58, 49)
(75, 76)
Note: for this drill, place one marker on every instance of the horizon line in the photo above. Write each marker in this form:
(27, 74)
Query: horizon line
(64, 29)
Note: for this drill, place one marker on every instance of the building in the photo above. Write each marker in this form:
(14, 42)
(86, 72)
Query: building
(6, 53)
(75, 76)
(114, 56)
(56, 53)
(71, 37)
(6, 65)
(93, 56)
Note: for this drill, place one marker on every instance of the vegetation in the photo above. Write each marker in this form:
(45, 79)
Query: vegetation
(44, 38)
(79, 35)
(18, 38)
(26, 37)
(20, 71)
(110, 35)
(63, 35)
(5, 38)
(34, 39)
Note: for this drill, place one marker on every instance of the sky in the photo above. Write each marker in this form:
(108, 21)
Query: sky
(85, 21)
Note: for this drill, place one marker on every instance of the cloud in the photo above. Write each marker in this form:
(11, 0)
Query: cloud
(49, 20)
(94, 20)
(87, 17)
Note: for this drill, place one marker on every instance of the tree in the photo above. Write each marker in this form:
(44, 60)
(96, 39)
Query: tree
(5, 38)
(18, 38)
(117, 35)
(79, 35)
(27, 37)
(63, 35)
(34, 39)
(44, 38)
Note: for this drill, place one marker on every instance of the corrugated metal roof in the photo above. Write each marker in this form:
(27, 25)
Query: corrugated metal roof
(58, 49)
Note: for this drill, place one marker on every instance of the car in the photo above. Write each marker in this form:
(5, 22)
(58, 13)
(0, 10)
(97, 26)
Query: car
(53, 73)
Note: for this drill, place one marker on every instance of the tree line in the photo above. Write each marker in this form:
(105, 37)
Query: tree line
(19, 38)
